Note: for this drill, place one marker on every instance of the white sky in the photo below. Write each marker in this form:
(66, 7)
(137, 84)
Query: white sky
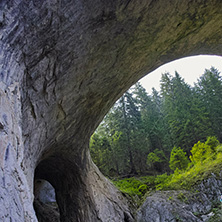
(189, 68)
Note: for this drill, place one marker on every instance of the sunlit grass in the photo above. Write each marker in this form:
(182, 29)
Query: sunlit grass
(136, 188)
(196, 173)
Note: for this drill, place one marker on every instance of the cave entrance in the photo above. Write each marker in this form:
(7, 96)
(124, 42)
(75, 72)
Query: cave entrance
(45, 203)
(60, 191)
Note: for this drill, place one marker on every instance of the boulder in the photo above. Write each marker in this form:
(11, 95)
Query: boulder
(182, 205)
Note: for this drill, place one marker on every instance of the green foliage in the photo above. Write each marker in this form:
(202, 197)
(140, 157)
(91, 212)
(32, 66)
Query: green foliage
(202, 151)
(132, 187)
(186, 118)
(219, 149)
(156, 156)
(138, 188)
(143, 188)
(161, 181)
(178, 159)
(100, 152)
(199, 152)
(212, 142)
(179, 115)
(197, 172)
(209, 89)
(153, 158)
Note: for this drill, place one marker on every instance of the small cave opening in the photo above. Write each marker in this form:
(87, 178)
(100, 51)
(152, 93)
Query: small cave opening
(59, 189)
(45, 203)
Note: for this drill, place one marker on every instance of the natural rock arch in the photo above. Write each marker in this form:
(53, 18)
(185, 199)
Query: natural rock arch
(63, 65)
(45, 204)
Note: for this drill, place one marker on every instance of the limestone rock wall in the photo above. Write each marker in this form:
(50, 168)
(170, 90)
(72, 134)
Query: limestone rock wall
(62, 66)
(195, 205)
(16, 195)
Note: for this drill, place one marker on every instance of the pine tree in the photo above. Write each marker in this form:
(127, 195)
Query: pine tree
(210, 91)
(186, 118)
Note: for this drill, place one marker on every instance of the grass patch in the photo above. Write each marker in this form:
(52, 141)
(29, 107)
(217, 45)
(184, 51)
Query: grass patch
(194, 175)
(138, 188)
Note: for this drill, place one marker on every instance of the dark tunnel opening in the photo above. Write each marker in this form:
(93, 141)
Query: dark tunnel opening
(45, 203)
(67, 198)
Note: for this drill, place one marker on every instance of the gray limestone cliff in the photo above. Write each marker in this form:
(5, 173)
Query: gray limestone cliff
(195, 205)
(63, 63)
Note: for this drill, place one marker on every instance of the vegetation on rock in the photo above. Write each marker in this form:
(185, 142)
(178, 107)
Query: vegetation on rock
(163, 141)
(153, 134)
(185, 179)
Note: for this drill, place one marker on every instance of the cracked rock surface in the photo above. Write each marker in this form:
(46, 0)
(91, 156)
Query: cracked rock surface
(181, 205)
(62, 66)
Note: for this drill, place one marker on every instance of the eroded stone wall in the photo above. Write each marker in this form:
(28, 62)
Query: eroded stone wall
(62, 66)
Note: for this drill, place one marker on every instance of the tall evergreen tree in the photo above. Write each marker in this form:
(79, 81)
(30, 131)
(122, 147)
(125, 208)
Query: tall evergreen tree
(128, 110)
(153, 122)
(209, 87)
(181, 106)
(143, 128)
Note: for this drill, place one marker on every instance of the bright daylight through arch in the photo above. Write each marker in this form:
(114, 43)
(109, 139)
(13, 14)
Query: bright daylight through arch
(189, 68)
(167, 138)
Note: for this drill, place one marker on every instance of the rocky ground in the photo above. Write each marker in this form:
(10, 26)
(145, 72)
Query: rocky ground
(199, 204)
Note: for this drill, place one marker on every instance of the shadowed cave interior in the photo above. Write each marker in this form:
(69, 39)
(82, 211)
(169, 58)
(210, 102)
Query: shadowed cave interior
(61, 191)
(52, 175)
(45, 204)
(60, 181)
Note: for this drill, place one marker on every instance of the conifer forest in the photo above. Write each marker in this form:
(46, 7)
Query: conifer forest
(163, 132)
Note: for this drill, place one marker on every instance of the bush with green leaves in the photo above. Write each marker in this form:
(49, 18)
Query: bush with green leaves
(199, 152)
(143, 188)
(157, 160)
(202, 151)
(178, 159)
(152, 158)
(212, 142)
(162, 180)
(157, 156)
(138, 188)
(130, 186)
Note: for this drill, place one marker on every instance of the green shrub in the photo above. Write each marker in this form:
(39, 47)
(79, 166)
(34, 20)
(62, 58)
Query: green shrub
(143, 188)
(129, 186)
(212, 142)
(157, 160)
(152, 158)
(178, 159)
(161, 181)
(211, 162)
(157, 156)
(202, 151)
(219, 149)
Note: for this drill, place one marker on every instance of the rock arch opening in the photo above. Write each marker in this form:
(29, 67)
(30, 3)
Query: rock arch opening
(111, 136)
(62, 67)
(45, 203)
(65, 181)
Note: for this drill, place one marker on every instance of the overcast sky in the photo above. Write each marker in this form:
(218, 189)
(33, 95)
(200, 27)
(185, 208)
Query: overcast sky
(190, 68)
